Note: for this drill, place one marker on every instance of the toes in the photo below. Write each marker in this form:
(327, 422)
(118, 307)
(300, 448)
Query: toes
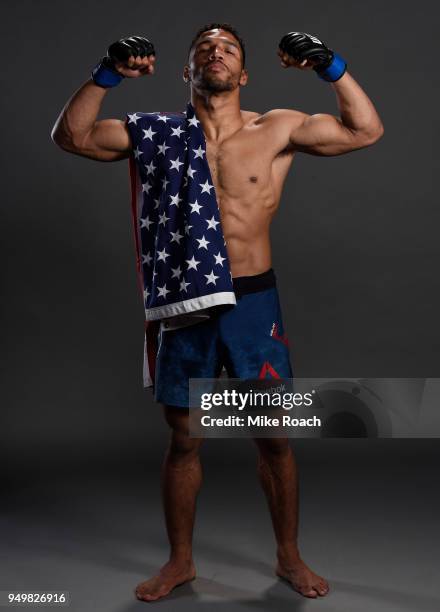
(310, 593)
(322, 588)
(306, 590)
(149, 596)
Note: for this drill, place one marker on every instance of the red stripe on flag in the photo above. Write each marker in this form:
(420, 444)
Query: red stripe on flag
(134, 213)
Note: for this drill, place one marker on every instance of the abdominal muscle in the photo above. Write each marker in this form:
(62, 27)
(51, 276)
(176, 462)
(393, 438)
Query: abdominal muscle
(246, 231)
(248, 179)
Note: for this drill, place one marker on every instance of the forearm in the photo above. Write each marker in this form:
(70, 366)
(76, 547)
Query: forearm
(357, 111)
(79, 115)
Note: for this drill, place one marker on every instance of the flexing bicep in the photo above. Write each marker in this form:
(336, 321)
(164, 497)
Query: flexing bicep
(108, 140)
(318, 134)
(323, 134)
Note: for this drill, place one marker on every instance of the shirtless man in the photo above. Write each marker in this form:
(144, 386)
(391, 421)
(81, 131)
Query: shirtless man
(249, 155)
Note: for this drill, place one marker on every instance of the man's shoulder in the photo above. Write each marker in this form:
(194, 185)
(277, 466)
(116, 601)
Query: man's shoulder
(249, 115)
(281, 114)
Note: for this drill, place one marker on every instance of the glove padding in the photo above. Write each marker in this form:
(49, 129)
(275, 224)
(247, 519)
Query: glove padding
(302, 46)
(105, 74)
(121, 50)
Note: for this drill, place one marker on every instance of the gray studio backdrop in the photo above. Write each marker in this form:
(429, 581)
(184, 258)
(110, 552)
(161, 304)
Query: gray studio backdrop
(355, 242)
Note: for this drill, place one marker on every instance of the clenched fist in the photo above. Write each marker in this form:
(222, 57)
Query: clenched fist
(133, 56)
(130, 57)
(306, 52)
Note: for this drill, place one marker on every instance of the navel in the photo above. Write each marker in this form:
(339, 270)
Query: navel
(253, 179)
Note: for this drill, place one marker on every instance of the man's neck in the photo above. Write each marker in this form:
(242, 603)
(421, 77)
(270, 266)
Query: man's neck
(219, 114)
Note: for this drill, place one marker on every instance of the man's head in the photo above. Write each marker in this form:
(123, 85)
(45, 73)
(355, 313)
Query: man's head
(216, 59)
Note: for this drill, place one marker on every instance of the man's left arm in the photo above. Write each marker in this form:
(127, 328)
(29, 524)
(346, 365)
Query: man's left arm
(358, 126)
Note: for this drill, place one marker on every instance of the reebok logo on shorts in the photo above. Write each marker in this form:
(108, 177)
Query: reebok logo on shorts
(274, 333)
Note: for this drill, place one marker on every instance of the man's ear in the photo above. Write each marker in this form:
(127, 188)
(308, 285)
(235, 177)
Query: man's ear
(244, 77)
(186, 76)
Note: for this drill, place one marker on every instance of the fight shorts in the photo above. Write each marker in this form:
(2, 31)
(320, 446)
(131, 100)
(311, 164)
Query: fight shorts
(247, 340)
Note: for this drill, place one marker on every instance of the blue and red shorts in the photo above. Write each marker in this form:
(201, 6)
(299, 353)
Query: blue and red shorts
(247, 340)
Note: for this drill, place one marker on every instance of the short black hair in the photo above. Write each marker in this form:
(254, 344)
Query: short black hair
(220, 26)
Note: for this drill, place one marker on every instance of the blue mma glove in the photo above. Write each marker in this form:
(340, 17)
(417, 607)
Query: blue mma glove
(105, 74)
(301, 46)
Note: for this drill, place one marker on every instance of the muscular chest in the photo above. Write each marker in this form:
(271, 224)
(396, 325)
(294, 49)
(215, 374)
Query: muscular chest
(237, 166)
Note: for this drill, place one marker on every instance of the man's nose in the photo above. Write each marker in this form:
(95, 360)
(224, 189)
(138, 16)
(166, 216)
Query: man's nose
(216, 53)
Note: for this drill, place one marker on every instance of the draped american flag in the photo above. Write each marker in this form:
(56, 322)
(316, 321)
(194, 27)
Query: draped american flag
(182, 258)
(181, 253)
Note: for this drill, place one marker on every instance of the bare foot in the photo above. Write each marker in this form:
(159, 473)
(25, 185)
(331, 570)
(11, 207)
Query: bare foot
(169, 576)
(302, 579)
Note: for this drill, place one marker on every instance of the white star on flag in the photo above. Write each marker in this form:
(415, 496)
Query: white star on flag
(146, 187)
(163, 118)
(191, 172)
(195, 207)
(137, 153)
(176, 272)
(206, 187)
(183, 285)
(199, 152)
(162, 255)
(192, 263)
(193, 121)
(176, 237)
(175, 163)
(202, 242)
(187, 228)
(150, 168)
(162, 148)
(164, 183)
(175, 200)
(162, 291)
(211, 278)
(219, 259)
(133, 118)
(156, 203)
(177, 131)
(149, 134)
(212, 223)
(146, 259)
(146, 222)
(163, 219)
(146, 293)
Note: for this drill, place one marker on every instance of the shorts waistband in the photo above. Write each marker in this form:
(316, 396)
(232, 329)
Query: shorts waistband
(252, 284)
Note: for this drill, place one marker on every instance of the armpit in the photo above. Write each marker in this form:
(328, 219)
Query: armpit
(288, 150)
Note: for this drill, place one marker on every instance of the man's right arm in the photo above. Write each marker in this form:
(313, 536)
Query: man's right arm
(77, 130)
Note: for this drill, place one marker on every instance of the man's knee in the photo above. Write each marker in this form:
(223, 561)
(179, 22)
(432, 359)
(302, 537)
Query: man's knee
(181, 444)
(273, 447)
